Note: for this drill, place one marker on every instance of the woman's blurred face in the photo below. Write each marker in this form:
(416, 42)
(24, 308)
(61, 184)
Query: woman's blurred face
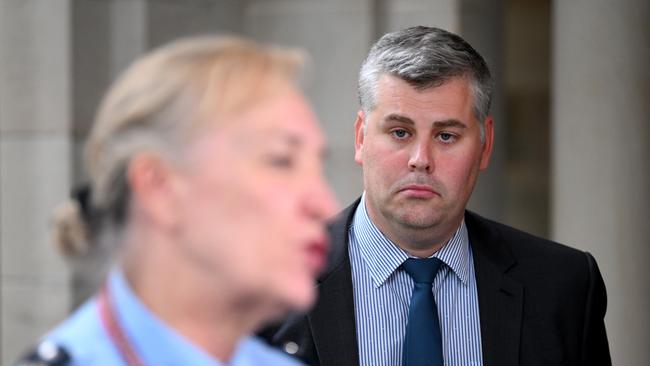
(254, 203)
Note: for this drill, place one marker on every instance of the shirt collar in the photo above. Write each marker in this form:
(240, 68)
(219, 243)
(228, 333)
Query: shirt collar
(158, 344)
(383, 257)
(456, 253)
(153, 340)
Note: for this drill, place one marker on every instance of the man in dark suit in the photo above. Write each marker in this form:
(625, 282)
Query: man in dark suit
(492, 295)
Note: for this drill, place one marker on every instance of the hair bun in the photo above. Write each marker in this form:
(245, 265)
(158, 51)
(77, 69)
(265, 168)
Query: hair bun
(69, 231)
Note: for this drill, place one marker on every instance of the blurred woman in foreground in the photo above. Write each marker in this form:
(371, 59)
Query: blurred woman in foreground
(205, 170)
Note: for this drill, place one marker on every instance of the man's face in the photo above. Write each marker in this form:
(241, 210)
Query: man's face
(254, 203)
(421, 153)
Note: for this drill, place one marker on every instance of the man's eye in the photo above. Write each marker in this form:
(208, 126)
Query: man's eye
(400, 133)
(446, 137)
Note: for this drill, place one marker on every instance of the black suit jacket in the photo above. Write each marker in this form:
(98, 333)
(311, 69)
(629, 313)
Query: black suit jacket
(540, 303)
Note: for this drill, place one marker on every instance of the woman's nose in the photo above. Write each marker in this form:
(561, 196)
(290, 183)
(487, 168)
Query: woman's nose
(320, 200)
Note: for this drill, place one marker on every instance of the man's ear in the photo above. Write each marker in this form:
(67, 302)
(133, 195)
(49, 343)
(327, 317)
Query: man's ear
(152, 183)
(359, 135)
(488, 143)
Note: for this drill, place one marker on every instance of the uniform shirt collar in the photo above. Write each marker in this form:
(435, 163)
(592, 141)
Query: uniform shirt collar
(154, 341)
(383, 257)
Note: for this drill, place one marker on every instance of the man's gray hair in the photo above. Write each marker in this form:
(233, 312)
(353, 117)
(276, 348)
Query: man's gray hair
(425, 57)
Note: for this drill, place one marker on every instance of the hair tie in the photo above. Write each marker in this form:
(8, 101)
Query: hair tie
(82, 194)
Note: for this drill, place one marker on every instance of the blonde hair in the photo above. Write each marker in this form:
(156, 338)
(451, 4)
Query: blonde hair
(158, 104)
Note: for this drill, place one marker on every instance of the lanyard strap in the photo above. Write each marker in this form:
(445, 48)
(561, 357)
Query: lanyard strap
(115, 332)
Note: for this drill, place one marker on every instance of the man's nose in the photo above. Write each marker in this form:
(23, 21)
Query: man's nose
(421, 159)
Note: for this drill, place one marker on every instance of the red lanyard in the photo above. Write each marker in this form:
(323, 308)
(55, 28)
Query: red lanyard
(115, 332)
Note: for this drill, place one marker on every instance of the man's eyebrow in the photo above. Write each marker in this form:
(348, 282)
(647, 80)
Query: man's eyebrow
(449, 123)
(394, 117)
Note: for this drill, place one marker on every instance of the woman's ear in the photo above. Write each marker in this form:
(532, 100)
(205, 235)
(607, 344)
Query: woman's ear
(153, 182)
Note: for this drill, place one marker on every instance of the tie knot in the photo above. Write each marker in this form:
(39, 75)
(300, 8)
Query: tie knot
(422, 270)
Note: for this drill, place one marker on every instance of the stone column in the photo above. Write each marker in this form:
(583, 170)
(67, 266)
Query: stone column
(337, 34)
(106, 37)
(601, 155)
(481, 24)
(35, 173)
(168, 20)
(394, 15)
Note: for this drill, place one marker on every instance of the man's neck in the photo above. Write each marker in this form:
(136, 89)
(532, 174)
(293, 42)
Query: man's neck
(418, 242)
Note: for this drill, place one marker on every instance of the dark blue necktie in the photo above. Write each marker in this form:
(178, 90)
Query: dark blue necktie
(423, 342)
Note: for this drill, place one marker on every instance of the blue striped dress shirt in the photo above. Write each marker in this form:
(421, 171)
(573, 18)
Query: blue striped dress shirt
(382, 293)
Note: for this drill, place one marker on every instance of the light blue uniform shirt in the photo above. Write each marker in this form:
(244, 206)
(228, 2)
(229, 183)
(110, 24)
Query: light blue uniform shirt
(85, 339)
(382, 294)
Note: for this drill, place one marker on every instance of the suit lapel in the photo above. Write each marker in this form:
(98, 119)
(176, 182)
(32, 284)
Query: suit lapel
(332, 320)
(500, 297)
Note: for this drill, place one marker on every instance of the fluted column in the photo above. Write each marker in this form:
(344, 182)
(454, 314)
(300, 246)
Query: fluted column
(35, 173)
(601, 155)
(482, 26)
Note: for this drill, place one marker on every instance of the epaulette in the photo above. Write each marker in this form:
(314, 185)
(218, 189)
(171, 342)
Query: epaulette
(46, 353)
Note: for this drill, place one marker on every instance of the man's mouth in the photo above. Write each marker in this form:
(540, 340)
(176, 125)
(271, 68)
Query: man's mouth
(421, 191)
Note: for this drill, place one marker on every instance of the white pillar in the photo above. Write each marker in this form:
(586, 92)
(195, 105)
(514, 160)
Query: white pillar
(34, 166)
(601, 155)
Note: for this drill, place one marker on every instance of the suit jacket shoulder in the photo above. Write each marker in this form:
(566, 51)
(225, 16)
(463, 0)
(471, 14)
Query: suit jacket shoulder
(539, 301)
